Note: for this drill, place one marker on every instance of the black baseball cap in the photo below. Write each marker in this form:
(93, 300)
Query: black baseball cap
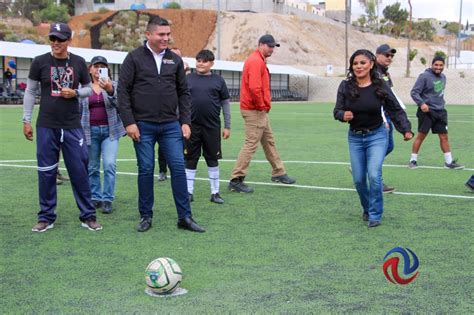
(383, 49)
(60, 30)
(269, 40)
(99, 59)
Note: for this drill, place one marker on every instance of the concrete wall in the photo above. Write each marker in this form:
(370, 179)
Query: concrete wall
(458, 90)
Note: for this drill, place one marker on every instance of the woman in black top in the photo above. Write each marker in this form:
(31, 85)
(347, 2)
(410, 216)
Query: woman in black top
(360, 101)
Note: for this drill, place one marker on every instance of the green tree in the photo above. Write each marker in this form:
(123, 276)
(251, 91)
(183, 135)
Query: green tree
(453, 27)
(55, 13)
(394, 14)
(412, 55)
(423, 30)
(362, 21)
(423, 61)
(172, 5)
(441, 54)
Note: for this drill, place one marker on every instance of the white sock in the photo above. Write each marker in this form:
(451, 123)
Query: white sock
(414, 157)
(190, 175)
(214, 179)
(448, 158)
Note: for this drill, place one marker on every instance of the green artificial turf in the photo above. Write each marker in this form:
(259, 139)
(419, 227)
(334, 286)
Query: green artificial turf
(298, 249)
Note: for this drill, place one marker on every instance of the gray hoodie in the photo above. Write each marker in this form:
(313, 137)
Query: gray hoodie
(429, 90)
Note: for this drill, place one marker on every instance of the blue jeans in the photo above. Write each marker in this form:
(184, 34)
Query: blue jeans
(102, 145)
(170, 139)
(367, 153)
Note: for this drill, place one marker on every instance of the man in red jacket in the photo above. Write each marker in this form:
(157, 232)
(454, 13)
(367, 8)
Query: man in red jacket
(255, 103)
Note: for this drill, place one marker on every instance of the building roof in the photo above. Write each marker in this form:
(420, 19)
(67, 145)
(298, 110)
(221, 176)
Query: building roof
(21, 50)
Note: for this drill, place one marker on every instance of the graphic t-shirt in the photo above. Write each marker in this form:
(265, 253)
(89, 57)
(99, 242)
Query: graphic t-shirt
(207, 93)
(54, 74)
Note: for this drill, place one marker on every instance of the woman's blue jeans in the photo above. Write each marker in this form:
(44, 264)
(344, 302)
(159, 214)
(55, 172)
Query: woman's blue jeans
(101, 145)
(367, 153)
(170, 138)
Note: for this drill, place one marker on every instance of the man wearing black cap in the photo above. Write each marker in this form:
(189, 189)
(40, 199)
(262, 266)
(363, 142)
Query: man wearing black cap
(58, 127)
(428, 94)
(385, 54)
(255, 98)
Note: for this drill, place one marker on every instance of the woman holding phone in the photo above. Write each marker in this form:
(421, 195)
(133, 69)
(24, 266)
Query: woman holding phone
(103, 129)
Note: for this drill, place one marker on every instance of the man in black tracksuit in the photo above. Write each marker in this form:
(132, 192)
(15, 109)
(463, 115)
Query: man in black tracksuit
(151, 90)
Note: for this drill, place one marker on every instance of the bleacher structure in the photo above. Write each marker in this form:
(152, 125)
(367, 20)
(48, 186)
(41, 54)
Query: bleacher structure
(287, 83)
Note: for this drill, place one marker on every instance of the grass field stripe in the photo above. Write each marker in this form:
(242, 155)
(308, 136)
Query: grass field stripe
(260, 161)
(289, 186)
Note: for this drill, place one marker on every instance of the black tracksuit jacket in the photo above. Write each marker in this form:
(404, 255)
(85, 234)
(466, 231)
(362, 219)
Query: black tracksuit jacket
(145, 95)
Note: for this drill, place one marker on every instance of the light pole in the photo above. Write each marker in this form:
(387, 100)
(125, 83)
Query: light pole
(348, 18)
(457, 48)
(408, 44)
(218, 29)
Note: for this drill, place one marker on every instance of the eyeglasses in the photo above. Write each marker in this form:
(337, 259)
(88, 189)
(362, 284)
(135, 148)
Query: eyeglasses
(389, 55)
(53, 39)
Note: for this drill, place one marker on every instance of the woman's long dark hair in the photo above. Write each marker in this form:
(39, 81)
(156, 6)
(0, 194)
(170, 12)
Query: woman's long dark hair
(374, 76)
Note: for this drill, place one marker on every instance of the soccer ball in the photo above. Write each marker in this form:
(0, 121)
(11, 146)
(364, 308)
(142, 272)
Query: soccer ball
(163, 275)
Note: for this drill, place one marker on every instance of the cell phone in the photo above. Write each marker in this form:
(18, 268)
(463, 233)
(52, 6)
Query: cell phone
(104, 74)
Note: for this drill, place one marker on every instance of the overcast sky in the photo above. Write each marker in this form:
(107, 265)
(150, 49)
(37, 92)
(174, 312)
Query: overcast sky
(440, 9)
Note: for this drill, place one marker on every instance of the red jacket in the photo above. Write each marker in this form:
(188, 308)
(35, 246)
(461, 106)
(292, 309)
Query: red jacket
(255, 88)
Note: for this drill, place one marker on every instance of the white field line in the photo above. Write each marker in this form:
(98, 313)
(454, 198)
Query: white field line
(281, 185)
(412, 117)
(286, 162)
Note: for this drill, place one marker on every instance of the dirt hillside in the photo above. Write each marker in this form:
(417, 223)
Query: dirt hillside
(306, 44)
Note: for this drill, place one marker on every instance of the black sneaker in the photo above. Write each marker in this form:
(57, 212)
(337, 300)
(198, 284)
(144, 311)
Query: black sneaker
(365, 216)
(413, 164)
(284, 179)
(373, 224)
(97, 204)
(216, 198)
(454, 165)
(107, 207)
(239, 186)
(144, 225)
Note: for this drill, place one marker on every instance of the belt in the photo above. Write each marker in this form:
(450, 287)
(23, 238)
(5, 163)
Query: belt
(364, 131)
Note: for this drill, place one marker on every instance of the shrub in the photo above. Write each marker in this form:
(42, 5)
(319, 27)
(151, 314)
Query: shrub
(54, 13)
(172, 5)
(441, 53)
(103, 10)
(11, 37)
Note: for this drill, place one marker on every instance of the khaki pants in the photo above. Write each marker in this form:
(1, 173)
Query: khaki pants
(257, 129)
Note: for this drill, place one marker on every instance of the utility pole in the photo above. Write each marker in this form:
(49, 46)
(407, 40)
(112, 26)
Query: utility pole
(348, 19)
(408, 44)
(218, 29)
(457, 48)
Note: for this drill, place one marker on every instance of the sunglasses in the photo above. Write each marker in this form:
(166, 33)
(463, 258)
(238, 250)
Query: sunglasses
(389, 55)
(53, 39)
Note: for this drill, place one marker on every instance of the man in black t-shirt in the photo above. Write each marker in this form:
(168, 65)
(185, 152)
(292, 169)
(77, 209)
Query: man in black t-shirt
(58, 127)
(208, 95)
